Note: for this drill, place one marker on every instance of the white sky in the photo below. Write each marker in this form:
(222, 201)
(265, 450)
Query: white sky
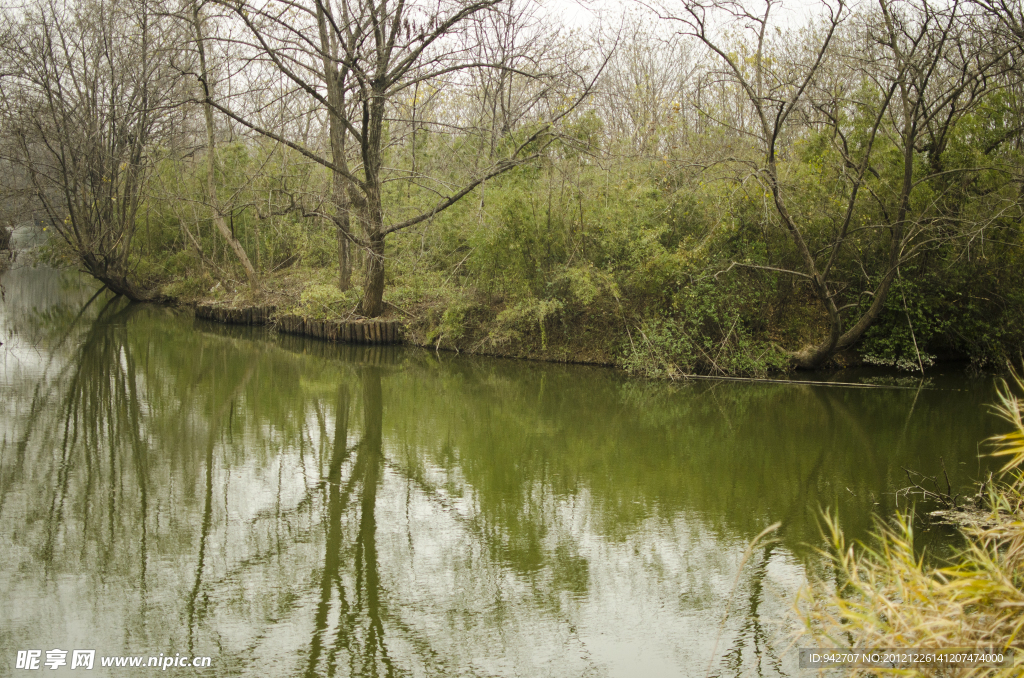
(583, 13)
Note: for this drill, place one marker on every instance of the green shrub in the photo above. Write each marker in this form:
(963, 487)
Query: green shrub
(515, 323)
(452, 327)
(191, 287)
(707, 333)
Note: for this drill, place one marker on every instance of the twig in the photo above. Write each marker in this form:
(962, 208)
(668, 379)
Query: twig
(947, 500)
(949, 488)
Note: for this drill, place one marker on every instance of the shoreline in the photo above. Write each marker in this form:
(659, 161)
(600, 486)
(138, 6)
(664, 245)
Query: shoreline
(565, 345)
(357, 331)
(395, 333)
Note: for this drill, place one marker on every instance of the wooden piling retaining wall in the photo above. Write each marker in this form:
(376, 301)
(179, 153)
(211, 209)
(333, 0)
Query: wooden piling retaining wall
(354, 332)
(357, 332)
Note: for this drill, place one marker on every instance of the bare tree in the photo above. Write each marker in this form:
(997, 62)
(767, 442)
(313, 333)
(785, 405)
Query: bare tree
(83, 90)
(924, 68)
(643, 88)
(355, 60)
(1007, 31)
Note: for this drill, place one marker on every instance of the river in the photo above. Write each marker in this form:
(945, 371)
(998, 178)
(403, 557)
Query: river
(289, 507)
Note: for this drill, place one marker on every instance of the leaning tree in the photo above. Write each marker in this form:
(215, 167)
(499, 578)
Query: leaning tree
(898, 76)
(84, 86)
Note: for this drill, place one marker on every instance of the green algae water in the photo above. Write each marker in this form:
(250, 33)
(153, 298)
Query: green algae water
(286, 507)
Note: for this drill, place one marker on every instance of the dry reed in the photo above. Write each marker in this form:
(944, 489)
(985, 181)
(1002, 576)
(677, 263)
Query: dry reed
(886, 595)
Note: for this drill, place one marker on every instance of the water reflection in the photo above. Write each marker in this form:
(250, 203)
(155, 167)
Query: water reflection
(290, 507)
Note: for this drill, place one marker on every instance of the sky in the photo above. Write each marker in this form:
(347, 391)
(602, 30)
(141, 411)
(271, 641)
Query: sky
(584, 13)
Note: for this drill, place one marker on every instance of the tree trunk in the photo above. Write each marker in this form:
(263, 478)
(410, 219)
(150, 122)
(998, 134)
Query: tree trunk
(373, 288)
(115, 280)
(344, 263)
(211, 186)
(373, 210)
(342, 221)
(335, 81)
(342, 208)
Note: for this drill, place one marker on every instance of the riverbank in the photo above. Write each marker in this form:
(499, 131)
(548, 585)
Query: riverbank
(431, 327)
(304, 301)
(615, 332)
(668, 319)
(389, 329)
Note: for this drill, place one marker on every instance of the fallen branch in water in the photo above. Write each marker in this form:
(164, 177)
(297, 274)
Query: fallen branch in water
(947, 498)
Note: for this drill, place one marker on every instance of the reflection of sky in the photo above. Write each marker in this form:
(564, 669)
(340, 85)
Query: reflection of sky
(100, 541)
(652, 604)
(30, 291)
(645, 605)
(24, 358)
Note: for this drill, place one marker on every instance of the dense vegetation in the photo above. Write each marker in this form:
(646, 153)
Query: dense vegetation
(719, 189)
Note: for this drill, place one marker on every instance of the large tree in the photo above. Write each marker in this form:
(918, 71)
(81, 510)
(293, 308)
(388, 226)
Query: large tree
(360, 63)
(898, 76)
(84, 87)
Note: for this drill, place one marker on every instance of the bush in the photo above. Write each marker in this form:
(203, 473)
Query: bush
(517, 321)
(453, 325)
(327, 301)
(191, 287)
(709, 332)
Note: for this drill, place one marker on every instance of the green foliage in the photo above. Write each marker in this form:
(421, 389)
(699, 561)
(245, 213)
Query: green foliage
(901, 336)
(320, 249)
(509, 259)
(255, 187)
(321, 301)
(452, 324)
(707, 333)
(515, 322)
(972, 310)
(191, 287)
(584, 284)
(585, 134)
(56, 252)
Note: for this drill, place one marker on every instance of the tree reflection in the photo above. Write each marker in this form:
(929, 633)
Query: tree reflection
(295, 507)
(337, 501)
(352, 587)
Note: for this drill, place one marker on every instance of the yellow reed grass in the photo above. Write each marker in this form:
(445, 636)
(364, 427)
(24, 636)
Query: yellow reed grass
(887, 596)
